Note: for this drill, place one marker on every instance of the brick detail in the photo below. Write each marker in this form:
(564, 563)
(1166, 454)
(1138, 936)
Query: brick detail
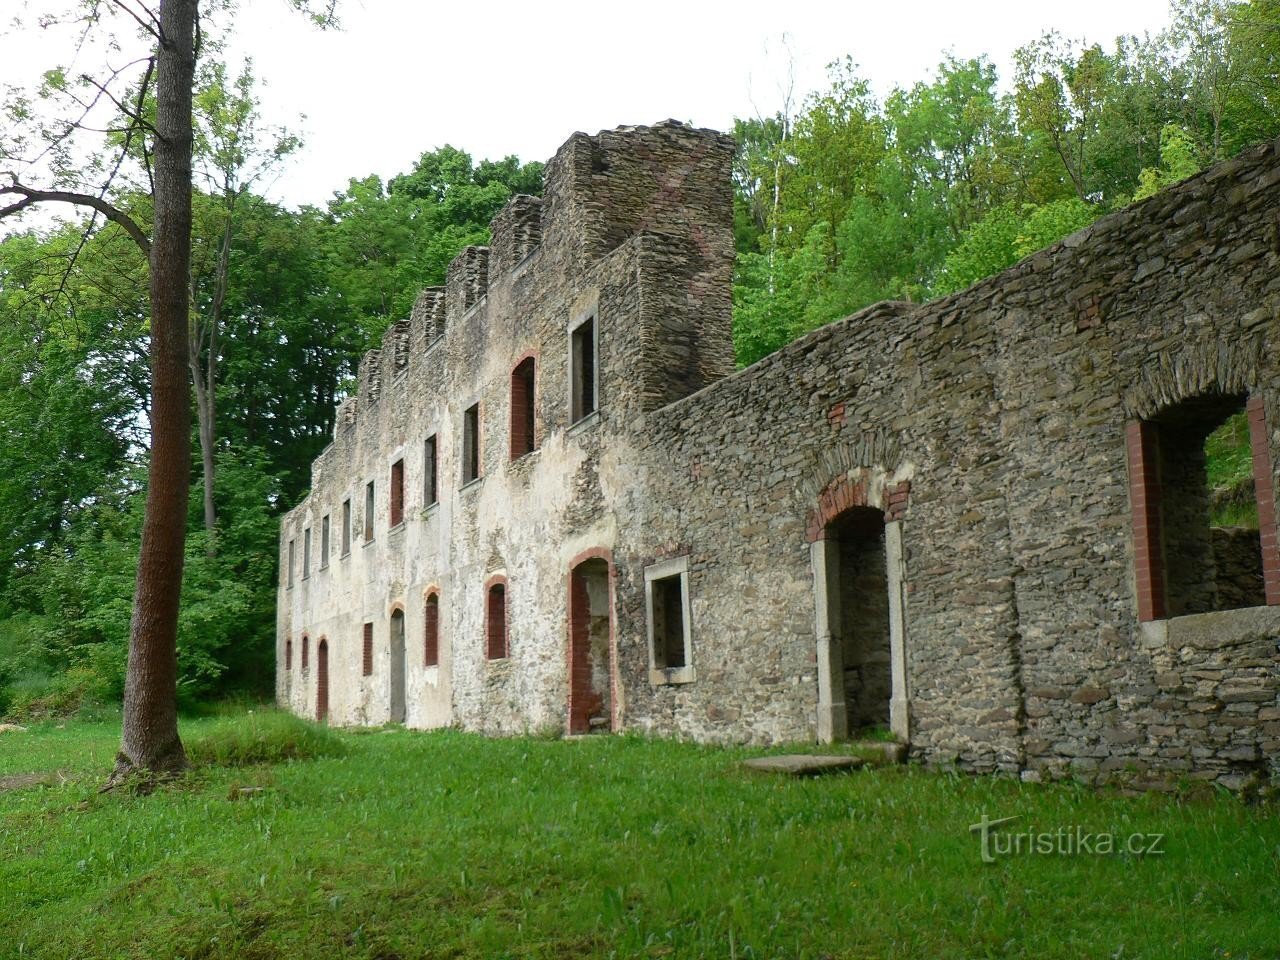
(322, 680)
(1142, 449)
(496, 622)
(1089, 314)
(583, 700)
(837, 416)
(397, 493)
(523, 420)
(1265, 492)
(895, 501)
(367, 651)
(431, 630)
(841, 494)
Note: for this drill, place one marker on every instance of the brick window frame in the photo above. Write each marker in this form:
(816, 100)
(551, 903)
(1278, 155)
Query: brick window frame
(366, 651)
(1145, 492)
(497, 618)
(578, 629)
(523, 414)
(397, 493)
(472, 443)
(1264, 492)
(431, 627)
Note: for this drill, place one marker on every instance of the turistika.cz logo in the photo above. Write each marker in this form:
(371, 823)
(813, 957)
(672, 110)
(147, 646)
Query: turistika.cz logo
(1071, 840)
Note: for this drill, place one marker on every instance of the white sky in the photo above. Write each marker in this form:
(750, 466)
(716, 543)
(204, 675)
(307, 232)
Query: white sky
(494, 78)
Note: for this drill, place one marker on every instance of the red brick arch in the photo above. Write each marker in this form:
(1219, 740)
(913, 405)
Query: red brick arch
(497, 621)
(849, 490)
(578, 629)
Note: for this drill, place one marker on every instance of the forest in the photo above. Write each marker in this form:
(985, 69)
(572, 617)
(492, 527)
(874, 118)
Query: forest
(842, 199)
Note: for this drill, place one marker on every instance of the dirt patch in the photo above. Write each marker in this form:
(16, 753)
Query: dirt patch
(21, 781)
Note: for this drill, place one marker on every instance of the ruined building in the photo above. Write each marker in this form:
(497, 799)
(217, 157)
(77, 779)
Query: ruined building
(981, 521)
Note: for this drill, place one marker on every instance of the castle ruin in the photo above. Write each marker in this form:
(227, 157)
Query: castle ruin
(982, 522)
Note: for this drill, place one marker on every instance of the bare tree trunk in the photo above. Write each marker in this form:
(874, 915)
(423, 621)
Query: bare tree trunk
(150, 742)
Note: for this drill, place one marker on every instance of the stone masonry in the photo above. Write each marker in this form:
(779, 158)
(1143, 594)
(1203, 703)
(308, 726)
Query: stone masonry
(981, 521)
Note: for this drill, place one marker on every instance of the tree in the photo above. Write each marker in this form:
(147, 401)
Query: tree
(150, 743)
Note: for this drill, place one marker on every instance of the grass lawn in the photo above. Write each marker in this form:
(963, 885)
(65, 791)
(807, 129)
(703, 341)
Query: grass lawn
(403, 845)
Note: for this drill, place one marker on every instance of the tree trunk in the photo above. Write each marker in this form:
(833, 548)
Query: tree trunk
(150, 741)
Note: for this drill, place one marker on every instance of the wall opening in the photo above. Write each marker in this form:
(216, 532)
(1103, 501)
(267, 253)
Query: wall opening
(396, 694)
(496, 622)
(523, 439)
(346, 526)
(430, 490)
(431, 630)
(292, 551)
(324, 542)
(366, 651)
(397, 493)
(863, 622)
(590, 643)
(471, 444)
(305, 651)
(322, 681)
(669, 627)
(582, 363)
(306, 553)
(1203, 508)
(288, 653)
(368, 511)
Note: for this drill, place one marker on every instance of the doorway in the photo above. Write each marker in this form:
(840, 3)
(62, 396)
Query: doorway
(322, 681)
(397, 666)
(860, 625)
(590, 648)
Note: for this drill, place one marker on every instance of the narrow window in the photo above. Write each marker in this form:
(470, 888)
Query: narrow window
(367, 650)
(471, 444)
(397, 493)
(668, 623)
(430, 493)
(293, 544)
(522, 409)
(670, 644)
(306, 553)
(324, 542)
(583, 364)
(496, 625)
(305, 650)
(431, 631)
(288, 654)
(368, 511)
(346, 526)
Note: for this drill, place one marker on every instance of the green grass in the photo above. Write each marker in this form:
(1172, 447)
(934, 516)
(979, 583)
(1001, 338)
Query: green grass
(444, 844)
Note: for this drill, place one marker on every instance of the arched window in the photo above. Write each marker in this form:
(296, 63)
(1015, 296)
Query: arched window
(305, 651)
(288, 654)
(523, 438)
(431, 630)
(496, 621)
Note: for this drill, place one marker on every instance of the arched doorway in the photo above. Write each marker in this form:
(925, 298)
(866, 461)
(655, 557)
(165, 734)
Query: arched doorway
(322, 681)
(591, 686)
(397, 666)
(857, 565)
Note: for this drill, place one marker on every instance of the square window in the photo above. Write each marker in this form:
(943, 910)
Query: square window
(666, 590)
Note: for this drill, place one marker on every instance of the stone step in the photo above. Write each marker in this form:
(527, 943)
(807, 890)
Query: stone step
(803, 764)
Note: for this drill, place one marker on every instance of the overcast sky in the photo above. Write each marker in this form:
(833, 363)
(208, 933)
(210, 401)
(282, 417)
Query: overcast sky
(494, 78)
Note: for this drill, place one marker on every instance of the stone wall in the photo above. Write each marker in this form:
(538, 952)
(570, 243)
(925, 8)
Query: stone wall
(992, 431)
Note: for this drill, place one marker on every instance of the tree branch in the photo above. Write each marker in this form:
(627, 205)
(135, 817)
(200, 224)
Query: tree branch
(30, 196)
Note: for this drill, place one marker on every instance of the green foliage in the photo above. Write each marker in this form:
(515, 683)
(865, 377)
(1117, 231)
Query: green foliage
(610, 846)
(261, 736)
